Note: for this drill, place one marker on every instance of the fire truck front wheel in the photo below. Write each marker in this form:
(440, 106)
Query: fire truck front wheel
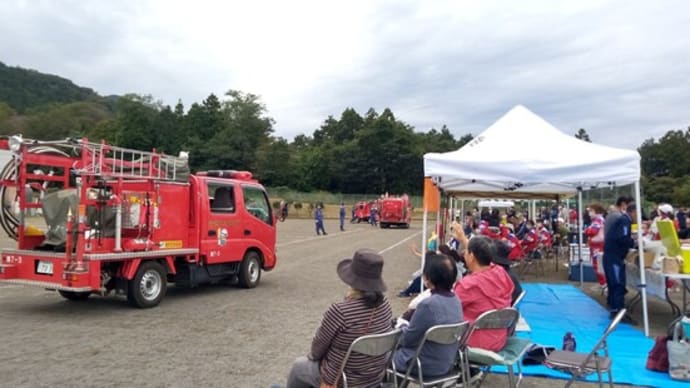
(148, 287)
(250, 270)
(74, 295)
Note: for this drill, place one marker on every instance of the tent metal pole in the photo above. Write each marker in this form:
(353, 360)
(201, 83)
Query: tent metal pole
(423, 246)
(439, 223)
(462, 212)
(640, 247)
(579, 238)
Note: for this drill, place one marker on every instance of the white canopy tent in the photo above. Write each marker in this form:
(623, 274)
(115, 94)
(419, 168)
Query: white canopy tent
(521, 156)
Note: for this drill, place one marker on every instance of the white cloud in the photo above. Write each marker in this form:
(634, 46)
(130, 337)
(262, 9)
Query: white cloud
(617, 68)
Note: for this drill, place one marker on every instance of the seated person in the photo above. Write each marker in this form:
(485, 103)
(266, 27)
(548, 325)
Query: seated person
(364, 311)
(459, 273)
(441, 307)
(502, 258)
(487, 287)
(414, 286)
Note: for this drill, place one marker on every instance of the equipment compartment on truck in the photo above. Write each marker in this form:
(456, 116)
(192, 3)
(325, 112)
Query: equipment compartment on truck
(128, 221)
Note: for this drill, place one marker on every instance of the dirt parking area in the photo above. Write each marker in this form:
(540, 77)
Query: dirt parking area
(218, 336)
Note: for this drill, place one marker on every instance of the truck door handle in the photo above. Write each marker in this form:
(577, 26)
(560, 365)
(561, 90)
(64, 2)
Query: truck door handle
(212, 233)
(247, 232)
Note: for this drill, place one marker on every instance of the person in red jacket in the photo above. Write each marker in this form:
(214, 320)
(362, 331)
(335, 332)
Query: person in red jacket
(487, 287)
(531, 241)
(595, 239)
(513, 243)
(545, 238)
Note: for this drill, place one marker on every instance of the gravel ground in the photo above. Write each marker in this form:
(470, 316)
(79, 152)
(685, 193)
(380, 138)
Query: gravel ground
(217, 336)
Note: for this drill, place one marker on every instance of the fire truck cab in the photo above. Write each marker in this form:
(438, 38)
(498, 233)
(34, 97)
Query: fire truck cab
(129, 222)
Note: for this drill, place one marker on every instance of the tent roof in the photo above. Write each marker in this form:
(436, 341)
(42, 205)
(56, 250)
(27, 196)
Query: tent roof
(522, 156)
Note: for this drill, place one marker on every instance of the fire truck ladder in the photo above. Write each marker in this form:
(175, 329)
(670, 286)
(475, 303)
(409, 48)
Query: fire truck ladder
(96, 159)
(117, 162)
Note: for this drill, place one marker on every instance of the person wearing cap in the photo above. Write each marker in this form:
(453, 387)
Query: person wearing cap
(665, 213)
(318, 220)
(617, 241)
(441, 307)
(508, 237)
(365, 310)
(502, 258)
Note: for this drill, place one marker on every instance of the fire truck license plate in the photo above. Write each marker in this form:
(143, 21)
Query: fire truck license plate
(45, 267)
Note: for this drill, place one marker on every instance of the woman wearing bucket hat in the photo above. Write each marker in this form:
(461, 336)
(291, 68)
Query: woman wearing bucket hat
(365, 310)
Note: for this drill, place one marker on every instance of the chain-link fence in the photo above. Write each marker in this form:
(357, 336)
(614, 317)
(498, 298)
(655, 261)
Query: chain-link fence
(326, 198)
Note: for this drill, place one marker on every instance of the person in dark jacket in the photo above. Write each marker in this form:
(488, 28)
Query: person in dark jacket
(617, 241)
(318, 220)
(342, 216)
(501, 258)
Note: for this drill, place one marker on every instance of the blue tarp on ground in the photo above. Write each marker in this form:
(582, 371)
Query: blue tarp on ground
(552, 310)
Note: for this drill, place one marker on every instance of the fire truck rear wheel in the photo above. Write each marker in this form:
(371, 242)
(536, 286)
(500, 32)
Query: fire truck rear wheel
(74, 295)
(149, 285)
(250, 270)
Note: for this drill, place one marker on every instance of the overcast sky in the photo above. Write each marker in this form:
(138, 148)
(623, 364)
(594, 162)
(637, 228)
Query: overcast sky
(620, 69)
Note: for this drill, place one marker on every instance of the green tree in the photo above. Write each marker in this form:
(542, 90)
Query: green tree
(135, 122)
(245, 128)
(274, 164)
(60, 121)
(6, 111)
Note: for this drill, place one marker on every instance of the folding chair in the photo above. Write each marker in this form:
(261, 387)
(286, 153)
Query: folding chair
(372, 345)
(581, 365)
(441, 334)
(511, 353)
(531, 259)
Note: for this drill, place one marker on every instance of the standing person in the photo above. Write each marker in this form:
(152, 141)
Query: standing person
(681, 218)
(372, 215)
(365, 310)
(665, 213)
(283, 210)
(342, 216)
(595, 240)
(318, 218)
(617, 241)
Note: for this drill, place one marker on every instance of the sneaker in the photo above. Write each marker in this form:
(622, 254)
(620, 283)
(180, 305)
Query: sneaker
(403, 294)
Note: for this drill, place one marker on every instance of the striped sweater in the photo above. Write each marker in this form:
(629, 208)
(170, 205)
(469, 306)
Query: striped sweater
(342, 323)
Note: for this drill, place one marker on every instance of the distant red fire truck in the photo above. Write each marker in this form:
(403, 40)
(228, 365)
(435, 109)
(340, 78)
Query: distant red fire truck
(395, 211)
(129, 221)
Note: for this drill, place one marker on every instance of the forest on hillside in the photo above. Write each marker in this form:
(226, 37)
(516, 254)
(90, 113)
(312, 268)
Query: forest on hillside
(353, 152)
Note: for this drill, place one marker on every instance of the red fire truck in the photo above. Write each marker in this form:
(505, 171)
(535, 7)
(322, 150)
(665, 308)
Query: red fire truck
(127, 221)
(362, 212)
(395, 211)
